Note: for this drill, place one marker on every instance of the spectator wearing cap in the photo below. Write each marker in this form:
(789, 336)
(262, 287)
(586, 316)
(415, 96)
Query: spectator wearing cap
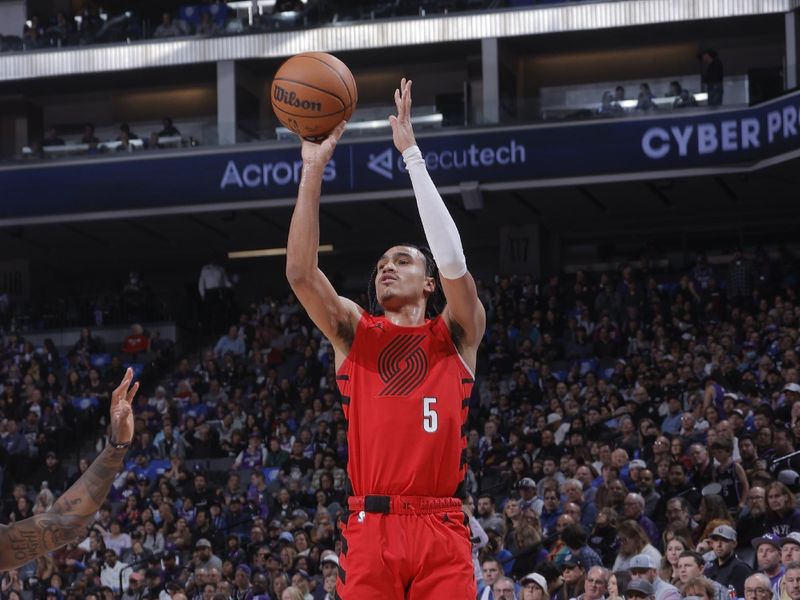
(238, 521)
(639, 589)
(643, 568)
(528, 500)
(329, 567)
(242, 588)
(791, 394)
(790, 548)
(204, 558)
(726, 568)
(534, 587)
(782, 514)
(768, 558)
(573, 572)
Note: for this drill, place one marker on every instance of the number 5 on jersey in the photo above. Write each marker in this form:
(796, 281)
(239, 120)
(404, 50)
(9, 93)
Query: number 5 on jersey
(430, 418)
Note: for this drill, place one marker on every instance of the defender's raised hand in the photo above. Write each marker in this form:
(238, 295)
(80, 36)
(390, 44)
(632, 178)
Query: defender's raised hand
(402, 131)
(121, 409)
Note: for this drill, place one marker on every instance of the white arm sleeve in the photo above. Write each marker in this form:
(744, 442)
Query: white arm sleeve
(440, 229)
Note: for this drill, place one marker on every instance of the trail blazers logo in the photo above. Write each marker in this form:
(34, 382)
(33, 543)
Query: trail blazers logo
(402, 365)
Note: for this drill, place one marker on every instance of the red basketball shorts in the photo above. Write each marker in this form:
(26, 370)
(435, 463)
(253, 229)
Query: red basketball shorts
(405, 548)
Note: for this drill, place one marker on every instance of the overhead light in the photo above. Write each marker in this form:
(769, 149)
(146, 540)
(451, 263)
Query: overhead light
(271, 252)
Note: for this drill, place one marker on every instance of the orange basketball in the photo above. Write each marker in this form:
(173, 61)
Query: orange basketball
(312, 92)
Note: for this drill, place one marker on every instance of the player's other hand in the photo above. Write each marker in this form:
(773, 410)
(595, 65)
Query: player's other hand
(121, 411)
(402, 132)
(318, 155)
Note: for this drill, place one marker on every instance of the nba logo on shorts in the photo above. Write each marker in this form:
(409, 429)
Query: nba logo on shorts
(361, 516)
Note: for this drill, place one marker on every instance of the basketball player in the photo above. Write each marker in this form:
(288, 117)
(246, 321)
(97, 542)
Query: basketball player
(23, 541)
(405, 382)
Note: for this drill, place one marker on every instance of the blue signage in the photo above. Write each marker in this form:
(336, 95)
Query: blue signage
(645, 146)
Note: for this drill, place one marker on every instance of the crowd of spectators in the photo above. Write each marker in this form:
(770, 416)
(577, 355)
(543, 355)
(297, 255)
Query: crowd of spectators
(629, 432)
(52, 144)
(132, 300)
(616, 103)
(91, 25)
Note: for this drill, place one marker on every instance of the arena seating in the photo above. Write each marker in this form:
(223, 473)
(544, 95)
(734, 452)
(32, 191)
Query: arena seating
(611, 380)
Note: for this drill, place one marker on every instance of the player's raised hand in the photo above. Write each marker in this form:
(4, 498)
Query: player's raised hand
(402, 131)
(315, 154)
(121, 411)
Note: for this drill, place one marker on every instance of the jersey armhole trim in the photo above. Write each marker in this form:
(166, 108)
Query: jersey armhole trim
(463, 360)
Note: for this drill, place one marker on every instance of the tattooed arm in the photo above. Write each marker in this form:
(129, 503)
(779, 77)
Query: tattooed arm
(23, 541)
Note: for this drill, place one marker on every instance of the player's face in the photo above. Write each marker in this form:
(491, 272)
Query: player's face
(401, 277)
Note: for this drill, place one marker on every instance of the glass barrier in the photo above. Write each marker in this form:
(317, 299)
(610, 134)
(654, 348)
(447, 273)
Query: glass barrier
(550, 106)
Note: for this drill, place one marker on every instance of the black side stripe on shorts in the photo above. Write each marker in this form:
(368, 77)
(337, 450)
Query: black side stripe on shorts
(461, 490)
(344, 545)
(343, 378)
(465, 403)
(345, 400)
(467, 380)
(342, 574)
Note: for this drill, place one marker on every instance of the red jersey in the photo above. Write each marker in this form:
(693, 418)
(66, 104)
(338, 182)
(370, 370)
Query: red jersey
(405, 394)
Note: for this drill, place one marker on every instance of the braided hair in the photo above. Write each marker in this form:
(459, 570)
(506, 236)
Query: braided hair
(435, 301)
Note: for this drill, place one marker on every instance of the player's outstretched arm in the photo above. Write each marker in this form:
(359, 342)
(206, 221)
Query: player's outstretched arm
(23, 541)
(464, 308)
(335, 316)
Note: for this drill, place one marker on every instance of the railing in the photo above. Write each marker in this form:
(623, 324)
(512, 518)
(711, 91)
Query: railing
(371, 120)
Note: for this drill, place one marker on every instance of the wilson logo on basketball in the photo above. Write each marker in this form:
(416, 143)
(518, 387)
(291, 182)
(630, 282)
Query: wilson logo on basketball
(402, 365)
(291, 99)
